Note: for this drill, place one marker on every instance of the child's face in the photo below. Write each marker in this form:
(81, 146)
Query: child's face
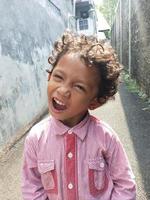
(72, 89)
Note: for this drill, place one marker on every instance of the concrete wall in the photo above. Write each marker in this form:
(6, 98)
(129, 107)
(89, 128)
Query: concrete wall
(27, 32)
(134, 39)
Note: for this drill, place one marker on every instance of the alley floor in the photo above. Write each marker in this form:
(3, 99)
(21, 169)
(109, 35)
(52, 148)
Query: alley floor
(127, 116)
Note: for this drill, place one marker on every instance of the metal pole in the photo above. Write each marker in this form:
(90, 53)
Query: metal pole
(74, 10)
(109, 15)
(74, 14)
(129, 43)
(120, 16)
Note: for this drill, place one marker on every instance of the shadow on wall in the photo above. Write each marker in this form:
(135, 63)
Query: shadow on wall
(138, 122)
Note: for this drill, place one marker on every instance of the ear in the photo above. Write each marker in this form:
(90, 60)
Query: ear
(95, 103)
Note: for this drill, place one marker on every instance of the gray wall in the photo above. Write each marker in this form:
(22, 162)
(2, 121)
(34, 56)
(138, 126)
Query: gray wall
(133, 39)
(27, 32)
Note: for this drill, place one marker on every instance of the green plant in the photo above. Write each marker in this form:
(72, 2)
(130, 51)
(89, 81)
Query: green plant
(131, 83)
(108, 9)
(133, 87)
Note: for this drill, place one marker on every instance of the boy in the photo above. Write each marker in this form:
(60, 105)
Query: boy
(72, 155)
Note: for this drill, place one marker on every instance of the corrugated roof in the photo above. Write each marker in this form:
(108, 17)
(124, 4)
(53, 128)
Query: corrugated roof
(102, 24)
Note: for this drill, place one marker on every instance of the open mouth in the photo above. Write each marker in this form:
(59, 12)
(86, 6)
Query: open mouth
(58, 105)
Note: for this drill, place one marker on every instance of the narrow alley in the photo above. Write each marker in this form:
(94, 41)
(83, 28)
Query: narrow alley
(28, 30)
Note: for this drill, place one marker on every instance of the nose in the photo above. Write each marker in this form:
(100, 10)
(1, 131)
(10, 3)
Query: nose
(64, 91)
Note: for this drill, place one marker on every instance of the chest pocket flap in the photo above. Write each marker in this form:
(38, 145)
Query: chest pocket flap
(44, 166)
(97, 164)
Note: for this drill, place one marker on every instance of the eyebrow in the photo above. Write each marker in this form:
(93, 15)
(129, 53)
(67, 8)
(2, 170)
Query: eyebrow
(58, 70)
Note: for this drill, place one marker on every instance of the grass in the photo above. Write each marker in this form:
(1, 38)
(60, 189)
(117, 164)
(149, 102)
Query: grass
(133, 87)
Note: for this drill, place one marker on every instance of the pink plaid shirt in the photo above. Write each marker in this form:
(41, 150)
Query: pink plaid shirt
(85, 162)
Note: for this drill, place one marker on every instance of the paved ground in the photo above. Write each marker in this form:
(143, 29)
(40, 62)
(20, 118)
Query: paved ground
(127, 117)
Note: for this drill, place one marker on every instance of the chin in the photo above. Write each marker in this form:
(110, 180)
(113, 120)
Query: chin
(56, 115)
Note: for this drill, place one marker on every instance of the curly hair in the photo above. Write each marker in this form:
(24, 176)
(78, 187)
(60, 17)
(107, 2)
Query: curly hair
(94, 53)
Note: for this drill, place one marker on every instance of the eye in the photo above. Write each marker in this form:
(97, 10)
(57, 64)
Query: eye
(80, 88)
(57, 77)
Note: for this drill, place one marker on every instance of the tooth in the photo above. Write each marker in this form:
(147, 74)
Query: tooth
(59, 102)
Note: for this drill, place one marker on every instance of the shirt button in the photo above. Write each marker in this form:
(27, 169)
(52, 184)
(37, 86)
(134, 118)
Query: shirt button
(70, 155)
(70, 186)
(102, 165)
(41, 164)
(70, 132)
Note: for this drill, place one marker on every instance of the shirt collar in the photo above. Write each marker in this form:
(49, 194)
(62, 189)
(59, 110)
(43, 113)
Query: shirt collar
(80, 129)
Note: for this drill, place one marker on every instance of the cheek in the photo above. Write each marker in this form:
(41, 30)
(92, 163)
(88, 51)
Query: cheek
(49, 89)
(82, 101)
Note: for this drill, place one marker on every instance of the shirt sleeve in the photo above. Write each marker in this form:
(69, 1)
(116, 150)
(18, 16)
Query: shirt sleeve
(32, 188)
(121, 173)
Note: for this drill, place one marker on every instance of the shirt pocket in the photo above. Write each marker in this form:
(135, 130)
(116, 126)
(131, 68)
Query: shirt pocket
(48, 176)
(98, 180)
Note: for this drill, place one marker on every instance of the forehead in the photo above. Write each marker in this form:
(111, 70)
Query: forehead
(72, 63)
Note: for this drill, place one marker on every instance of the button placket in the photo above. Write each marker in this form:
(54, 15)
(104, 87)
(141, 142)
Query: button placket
(71, 171)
